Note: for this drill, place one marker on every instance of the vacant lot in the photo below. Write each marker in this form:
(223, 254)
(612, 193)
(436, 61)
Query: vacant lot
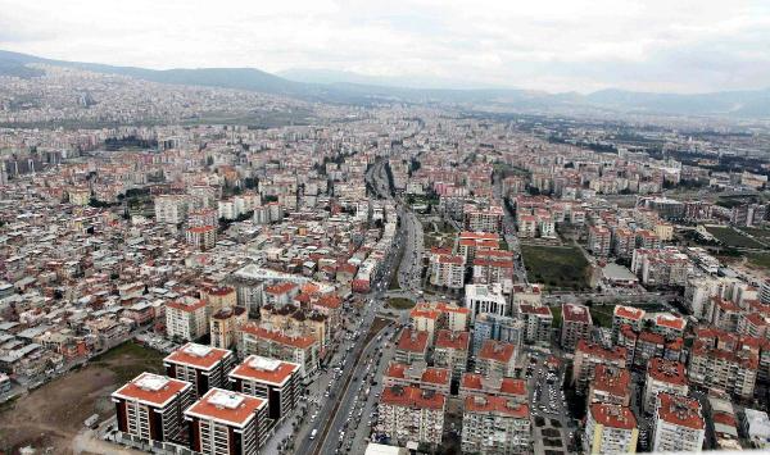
(732, 238)
(400, 303)
(759, 260)
(556, 267)
(52, 415)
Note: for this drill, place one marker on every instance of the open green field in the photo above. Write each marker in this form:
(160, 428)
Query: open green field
(556, 267)
(400, 303)
(758, 233)
(759, 260)
(732, 238)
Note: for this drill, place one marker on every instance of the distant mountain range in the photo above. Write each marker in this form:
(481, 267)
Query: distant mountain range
(351, 88)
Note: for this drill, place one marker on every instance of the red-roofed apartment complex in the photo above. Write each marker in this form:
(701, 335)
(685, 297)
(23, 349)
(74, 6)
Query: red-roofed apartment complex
(473, 384)
(663, 376)
(187, 319)
(203, 366)
(278, 345)
(493, 425)
(611, 385)
(227, 423)
(277, 381)
(411, 414)
(588, 356)
(678, 425)
(496, 359)
(418, 375)
(451, 351)
(150, 407)
(610, 428)
(412, 346)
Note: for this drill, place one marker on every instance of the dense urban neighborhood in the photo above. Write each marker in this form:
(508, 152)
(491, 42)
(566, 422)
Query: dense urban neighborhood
(200, 270)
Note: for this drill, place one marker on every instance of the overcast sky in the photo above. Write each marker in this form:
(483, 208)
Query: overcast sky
(556, 45)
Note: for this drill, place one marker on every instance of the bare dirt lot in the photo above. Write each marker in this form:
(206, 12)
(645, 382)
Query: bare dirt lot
(50, 417)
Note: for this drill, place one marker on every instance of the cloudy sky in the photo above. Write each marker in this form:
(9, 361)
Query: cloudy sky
(556, 45)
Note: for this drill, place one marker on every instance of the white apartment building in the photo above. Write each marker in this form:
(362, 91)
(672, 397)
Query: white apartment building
(481, 298)
(610, 429)
(678, 425)
(495, 425)
(186, 319)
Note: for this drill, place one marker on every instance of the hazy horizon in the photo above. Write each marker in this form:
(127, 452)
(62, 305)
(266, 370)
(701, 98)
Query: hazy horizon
(552, 45)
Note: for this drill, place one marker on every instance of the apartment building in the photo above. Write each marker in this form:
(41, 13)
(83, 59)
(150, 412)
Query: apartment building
(599, 241)
(663, 376)
(223, 422)
(678, 424)
(224, 326)
(610, 429)
(588, 356)
(150, 407)
(496, 359)
(451, 351)
(480, 298)
(576, 325)
(633, 317)
(410, 414)
(493, 266)
(733, 371)
(611, 385)
(500, 328)
(495, 425)
(412, 346)
(302, 350)
(537, 323)
(202, 238)
(277, 381)
(447, 271)
(418, 375)
(203, 366)
(186, 319)
(473, 384)
(483, 220)
(171, 208)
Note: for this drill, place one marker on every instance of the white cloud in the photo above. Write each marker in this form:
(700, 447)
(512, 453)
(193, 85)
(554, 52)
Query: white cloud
(547, 44)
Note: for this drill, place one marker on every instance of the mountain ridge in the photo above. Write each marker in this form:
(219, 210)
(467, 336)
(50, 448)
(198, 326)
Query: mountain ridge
(737, 103)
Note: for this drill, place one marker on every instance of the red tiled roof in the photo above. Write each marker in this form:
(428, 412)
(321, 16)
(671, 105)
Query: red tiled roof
(138, 389)
(576, 313)
(613, 416)
(208, 407)
(279, 337)
(497, 405)
(627, 312)
(280, 288)
(198, 356)
(471, 381)
(266, 370)
(670, 321)
(412, 397)
(514, 386)
(447, 339)
(497, 351)
(612, 380)
(433, 375)
(682, 411)
(185, 306)
(413, 340)
(596, 350)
